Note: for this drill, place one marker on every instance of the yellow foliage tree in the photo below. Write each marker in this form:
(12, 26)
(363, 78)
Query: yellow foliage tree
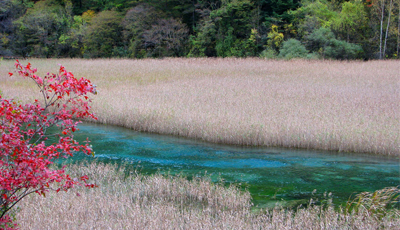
(275, 38)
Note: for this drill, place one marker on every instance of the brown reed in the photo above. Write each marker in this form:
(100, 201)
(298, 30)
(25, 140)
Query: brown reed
(330, 105)
(159, 202)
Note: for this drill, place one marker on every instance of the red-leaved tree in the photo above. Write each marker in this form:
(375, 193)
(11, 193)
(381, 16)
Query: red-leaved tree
(25, 151)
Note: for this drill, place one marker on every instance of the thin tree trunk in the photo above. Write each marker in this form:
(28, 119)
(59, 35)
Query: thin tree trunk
(387, 27)
(398, 31)
(381, 33)
(194, 10)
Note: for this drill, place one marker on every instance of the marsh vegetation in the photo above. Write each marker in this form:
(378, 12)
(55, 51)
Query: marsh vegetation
(156, 202)
(329, 105)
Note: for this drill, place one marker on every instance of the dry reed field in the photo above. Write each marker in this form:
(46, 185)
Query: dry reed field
(330, 105)
(157, 202)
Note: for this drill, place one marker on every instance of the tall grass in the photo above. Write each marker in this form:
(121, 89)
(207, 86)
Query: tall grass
(332, 105)
(156, 202)
(376, 203)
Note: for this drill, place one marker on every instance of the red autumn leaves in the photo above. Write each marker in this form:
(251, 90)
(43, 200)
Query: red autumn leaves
(25, 151)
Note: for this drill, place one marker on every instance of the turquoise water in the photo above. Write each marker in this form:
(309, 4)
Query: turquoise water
(272, 175)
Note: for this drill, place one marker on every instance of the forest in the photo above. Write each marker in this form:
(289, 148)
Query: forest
(309, 29)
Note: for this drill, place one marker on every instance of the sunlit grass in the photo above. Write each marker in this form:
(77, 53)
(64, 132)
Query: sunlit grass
(332, 105)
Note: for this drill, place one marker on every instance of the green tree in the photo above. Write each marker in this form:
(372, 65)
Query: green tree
(167, 37)
(233, 21)
(104, 35)
(72, 43)
(135, 23)
(225, 29)
(146, 28)
(202, 43)
(324, 42)
(351, 25)
(351, 22)
(313, 15)
(40, 28)
(276, 12)
(181, 10)
(81, 6)
(10, 10)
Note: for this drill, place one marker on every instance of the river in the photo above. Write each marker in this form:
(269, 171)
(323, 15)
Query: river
(287, 177)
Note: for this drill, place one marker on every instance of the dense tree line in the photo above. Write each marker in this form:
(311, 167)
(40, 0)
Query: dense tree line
(334, 29)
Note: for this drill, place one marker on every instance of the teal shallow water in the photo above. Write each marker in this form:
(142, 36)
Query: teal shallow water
(272, 175)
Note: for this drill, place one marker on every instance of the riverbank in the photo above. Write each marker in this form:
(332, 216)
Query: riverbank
(329, 105)
(157, 202)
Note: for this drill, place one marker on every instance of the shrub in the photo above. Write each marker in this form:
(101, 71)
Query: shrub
(293, 48)
(269, 53)
(342, 50)
(324, 42)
